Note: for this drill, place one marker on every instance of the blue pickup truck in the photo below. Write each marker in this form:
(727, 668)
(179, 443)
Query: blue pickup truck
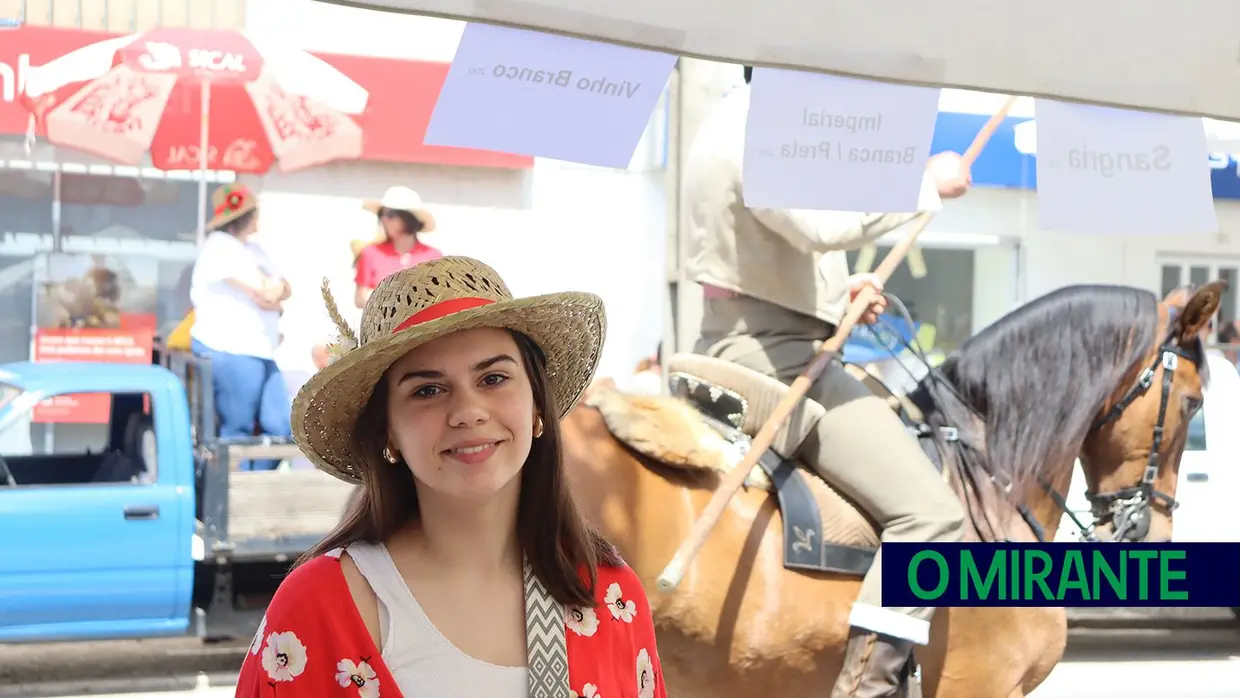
(134, 522)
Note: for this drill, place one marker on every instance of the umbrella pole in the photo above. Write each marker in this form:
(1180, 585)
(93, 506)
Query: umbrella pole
(204, 132)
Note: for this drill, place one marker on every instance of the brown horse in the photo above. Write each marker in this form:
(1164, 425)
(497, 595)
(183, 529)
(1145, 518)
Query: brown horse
(1058, 378)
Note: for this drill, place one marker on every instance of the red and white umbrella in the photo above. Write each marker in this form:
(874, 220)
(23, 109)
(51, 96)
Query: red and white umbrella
(198, 99)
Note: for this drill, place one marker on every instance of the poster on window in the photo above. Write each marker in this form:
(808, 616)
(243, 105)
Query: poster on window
(92, 307)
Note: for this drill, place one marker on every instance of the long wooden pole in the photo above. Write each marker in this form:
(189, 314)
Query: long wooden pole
(733, 480)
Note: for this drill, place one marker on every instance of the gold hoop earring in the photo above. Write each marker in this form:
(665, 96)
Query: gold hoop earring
(387, 455)
(538, 428)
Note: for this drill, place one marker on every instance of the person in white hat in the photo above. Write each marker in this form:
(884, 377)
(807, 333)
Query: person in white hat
(462, 565)
(402, 217)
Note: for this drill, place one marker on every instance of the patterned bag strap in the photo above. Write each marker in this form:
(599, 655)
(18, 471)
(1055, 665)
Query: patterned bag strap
(546, 648)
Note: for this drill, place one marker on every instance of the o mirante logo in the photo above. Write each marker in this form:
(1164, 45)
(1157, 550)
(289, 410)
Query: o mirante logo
(1061, 574)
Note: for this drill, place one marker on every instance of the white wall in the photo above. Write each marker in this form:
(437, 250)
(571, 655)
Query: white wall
(560, 226)
(1052, 259)
(557, 228)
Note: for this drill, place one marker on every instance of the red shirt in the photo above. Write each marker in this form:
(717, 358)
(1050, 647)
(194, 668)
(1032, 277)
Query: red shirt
(312, 642)
(377, 262)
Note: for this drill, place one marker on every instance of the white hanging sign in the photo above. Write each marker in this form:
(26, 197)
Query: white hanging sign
(1114, 171)
(826, 142)
(528, 93)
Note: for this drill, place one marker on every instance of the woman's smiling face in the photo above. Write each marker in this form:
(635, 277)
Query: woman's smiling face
(461, 414)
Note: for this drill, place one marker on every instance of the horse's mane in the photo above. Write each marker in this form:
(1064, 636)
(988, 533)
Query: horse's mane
(1038, 377)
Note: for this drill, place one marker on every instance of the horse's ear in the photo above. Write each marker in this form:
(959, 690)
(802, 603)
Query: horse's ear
(1178, 296)
(1199, 309)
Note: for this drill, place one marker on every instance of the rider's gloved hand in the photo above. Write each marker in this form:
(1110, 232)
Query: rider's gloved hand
(950, 174)
(878, 306)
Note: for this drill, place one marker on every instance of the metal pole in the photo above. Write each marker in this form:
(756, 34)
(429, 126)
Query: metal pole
(673, 259)
(57, 236)
(204, 132)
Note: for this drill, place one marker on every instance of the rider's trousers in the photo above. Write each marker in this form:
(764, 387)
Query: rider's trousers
(860, 446)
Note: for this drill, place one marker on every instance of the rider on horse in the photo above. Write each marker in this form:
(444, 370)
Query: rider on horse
(776, 285)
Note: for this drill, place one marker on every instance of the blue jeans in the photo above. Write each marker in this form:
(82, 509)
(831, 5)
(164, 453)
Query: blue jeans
(249, 392)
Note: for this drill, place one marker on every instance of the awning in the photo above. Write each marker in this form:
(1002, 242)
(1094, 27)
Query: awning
(1176, 57)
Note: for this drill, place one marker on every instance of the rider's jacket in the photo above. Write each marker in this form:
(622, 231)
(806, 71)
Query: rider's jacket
(791, 258)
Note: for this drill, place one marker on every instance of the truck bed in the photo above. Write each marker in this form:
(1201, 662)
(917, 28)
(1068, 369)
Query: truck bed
(273, 514)
(276, 504)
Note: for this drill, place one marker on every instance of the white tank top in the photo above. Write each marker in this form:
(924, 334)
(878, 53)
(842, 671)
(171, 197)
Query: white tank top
(423, 661)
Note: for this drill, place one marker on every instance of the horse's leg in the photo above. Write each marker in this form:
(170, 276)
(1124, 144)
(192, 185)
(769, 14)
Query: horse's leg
(988, 652)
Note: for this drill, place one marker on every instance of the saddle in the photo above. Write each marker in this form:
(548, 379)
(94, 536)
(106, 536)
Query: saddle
(708, 422)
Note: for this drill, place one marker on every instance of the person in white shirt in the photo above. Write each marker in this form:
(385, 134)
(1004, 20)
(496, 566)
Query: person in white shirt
(238, 293)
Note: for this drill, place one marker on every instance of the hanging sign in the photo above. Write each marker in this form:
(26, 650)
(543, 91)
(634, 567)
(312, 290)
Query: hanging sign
(1104, 171)
(826, 142)
(545, 95)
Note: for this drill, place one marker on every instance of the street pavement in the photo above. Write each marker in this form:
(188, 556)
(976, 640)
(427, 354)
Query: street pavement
(1211, 677)
(1200, 668)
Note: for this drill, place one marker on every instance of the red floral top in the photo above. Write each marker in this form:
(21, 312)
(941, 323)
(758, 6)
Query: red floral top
(312, 642)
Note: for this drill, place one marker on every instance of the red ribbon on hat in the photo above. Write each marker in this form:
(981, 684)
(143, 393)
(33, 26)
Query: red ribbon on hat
(442, 309)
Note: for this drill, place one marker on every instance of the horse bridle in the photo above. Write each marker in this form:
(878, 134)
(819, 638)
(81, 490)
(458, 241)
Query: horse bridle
(1130, 508)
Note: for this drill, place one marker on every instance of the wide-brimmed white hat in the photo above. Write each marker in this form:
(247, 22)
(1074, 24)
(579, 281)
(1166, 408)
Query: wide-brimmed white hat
(403, 199)
(420, 304)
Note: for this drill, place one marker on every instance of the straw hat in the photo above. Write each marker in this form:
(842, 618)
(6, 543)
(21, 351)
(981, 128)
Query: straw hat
(403, 199)
(230, 202)
(420, 304)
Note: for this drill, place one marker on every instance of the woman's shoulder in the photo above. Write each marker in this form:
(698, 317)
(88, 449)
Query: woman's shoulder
(317, 577)
(620, 590)
(618, 573)
(312, 640)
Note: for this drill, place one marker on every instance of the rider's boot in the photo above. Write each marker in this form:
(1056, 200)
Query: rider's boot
(875, 666)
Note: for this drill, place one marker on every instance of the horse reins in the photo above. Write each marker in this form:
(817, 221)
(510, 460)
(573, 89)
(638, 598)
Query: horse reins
(1129, 507)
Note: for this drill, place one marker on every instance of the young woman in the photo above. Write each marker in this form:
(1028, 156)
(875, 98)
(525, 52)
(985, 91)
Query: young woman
(462, 567)
(237, 295)
(402, 217)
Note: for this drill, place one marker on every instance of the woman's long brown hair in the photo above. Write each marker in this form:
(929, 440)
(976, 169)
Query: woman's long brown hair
(562, 549)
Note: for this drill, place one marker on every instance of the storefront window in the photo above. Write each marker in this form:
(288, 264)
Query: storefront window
(941, 301)
(146, 213)
(16, 306)
(1175, 272)
(26, 203)
(26, 197)
(103, 210)
(120, 207)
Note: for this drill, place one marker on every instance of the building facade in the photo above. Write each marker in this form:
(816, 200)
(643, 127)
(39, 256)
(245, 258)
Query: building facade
(545, 225)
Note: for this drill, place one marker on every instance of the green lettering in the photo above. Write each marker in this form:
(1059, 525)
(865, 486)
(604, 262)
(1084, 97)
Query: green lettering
(1102, 568)
(1072, 576)
(970, 577)
(1039, 576)
(916, 587)
(1143, 571)
(1166, 574)
(1015, 576)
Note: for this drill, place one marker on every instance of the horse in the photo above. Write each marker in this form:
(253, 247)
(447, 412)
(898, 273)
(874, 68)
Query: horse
(1085, 371)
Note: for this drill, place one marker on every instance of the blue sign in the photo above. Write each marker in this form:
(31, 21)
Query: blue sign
(1002, 165)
